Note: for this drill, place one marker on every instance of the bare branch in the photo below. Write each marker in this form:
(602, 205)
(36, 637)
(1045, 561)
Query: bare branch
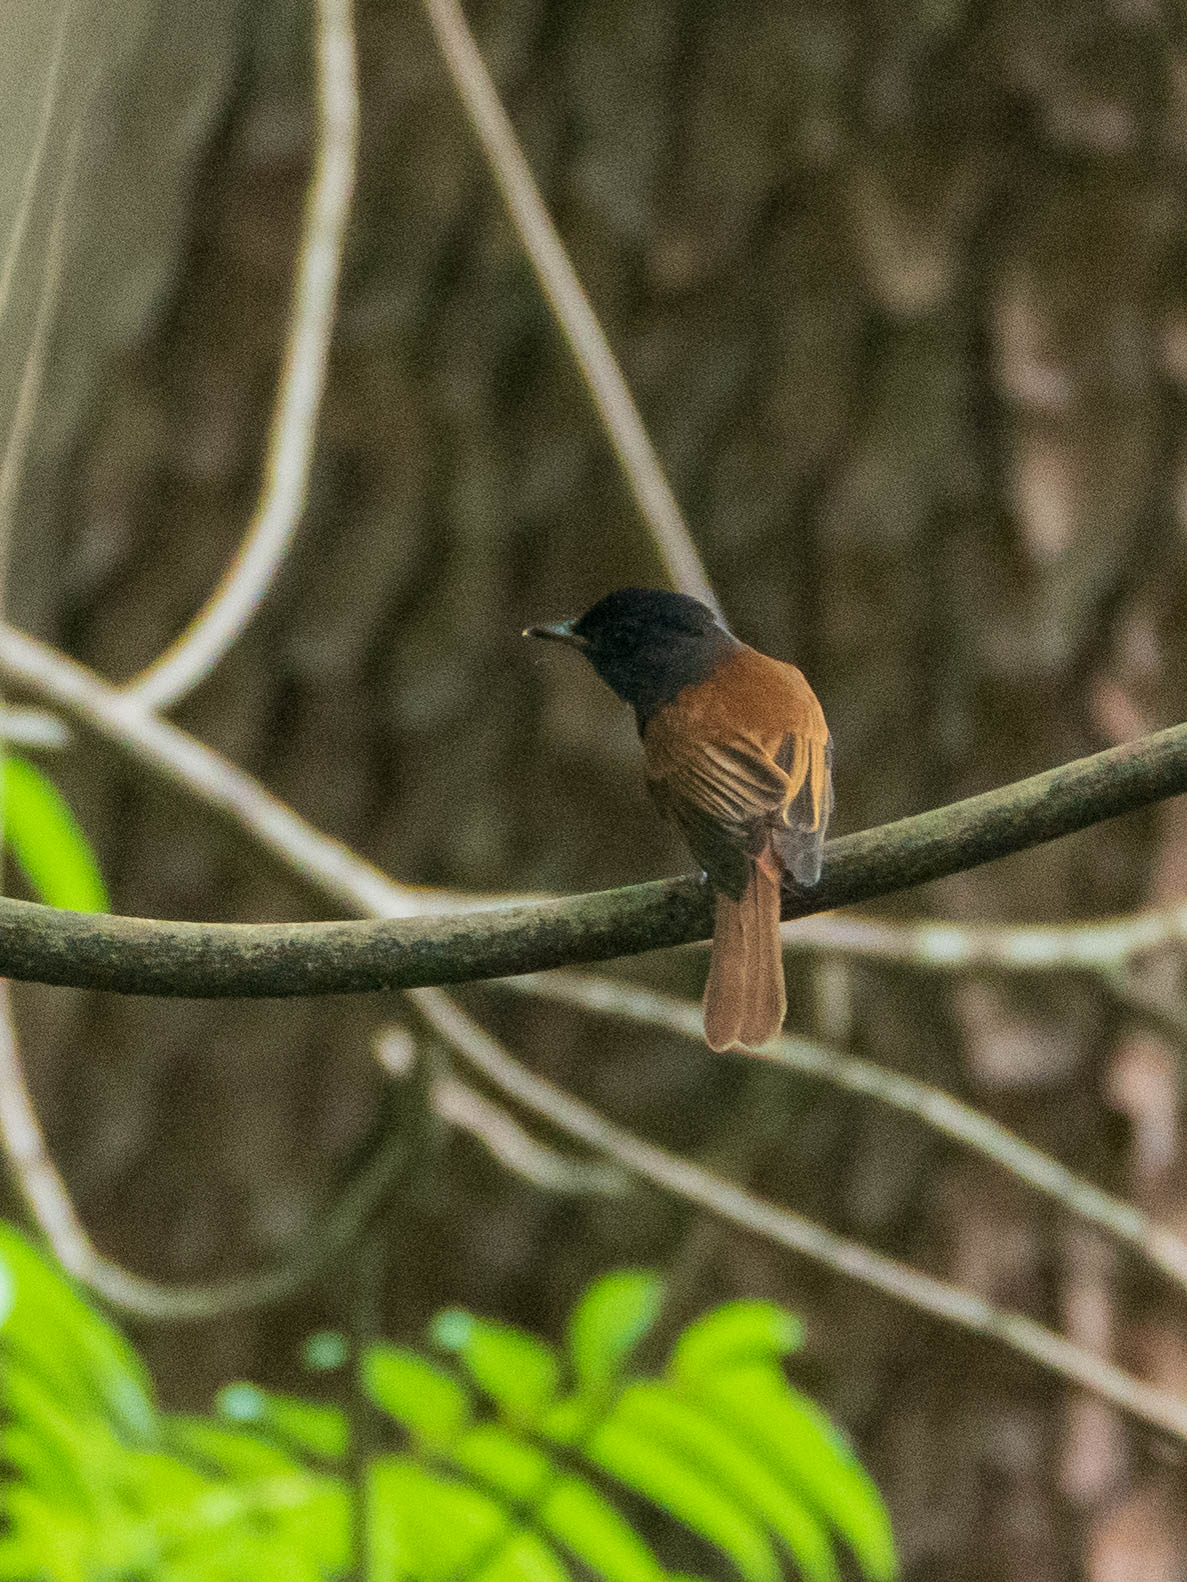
(942, 945)
(968, 1311)
(462, 1106)
(50, 1205)
(32, 171)
(17, 439)
(33, 728)
(1118, 1220)
(293, 429)
(565, 295)
(342, 877)
(132, 955)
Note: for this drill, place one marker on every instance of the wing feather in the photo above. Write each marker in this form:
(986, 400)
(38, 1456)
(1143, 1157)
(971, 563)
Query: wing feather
(734, 788)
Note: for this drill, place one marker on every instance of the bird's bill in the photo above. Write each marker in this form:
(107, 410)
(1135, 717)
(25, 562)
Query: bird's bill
(558, 632)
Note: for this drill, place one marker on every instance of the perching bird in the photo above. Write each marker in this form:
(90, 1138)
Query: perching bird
(738, 755)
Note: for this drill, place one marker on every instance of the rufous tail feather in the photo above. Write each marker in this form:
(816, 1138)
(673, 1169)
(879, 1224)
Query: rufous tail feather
(745, 996)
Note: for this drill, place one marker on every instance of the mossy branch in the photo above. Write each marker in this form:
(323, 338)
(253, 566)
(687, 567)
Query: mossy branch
(222, 960)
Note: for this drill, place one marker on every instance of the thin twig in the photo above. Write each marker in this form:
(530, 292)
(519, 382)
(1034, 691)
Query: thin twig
(1157, 1408)
(32, 172)
(1116, 1219)
(293, 430)
(33, 728)
(565, 295)
(17, 439)
(942, 945)
(341, 877)
(50, 1205)
(463, 1107)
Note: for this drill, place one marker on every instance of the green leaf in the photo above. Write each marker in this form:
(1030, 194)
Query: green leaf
(588, 1525)
(425, 1399)
(608, 1322)
(504, 1461)
(101, 1484)
(669, 1480)
(436, 1529)
(242, 1403)
(226, 1451)
(389, 1536)
(521, 1374)
(654, 1410)
(289, 1528)
(568, 1507)
(733, 1333)
(317, 1430)
(29, 1454)
(804, 1446)
(46, 1541)
(325, 1351)
(79, 1356)
(170, 1491)
(47, 841)
(7, 1293)
(69, 1443)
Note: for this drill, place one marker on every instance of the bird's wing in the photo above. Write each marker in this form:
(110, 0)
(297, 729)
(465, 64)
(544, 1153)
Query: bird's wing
(731, 784)
(798, 835)
(717, 798)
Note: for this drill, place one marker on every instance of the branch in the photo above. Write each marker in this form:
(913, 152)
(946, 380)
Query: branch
(31, 175)
(570, 306)
(212, 960)
(946, 945)
(1156, 770)
(303, 374)
(1154, 1407)
(1155, 1244)
(342, 876)
(52, 1209)
(467, 1110)
(17, 439)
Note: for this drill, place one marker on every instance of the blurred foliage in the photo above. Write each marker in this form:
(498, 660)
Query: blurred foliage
(503, 1460)
(47, 842)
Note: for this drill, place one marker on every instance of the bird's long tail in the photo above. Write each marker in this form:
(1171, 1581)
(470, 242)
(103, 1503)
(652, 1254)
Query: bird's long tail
(745, 997)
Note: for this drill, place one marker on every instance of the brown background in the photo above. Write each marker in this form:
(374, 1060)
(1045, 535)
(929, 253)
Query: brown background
(900, 289)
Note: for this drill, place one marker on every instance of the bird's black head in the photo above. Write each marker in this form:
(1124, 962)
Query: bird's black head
(645, 643)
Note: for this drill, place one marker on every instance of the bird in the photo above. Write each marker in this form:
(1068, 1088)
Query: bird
(738, 756)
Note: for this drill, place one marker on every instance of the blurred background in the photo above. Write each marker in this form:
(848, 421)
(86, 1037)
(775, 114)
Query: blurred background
(900, 290)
